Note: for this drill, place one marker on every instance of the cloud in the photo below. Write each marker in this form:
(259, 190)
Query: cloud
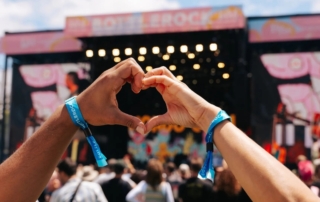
(21, 15)
(315, 6)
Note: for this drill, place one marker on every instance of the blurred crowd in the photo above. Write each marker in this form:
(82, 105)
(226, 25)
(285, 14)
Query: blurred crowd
(120, 181)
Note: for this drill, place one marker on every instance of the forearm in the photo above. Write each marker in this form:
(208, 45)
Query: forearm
(28, 170)
(259, 173)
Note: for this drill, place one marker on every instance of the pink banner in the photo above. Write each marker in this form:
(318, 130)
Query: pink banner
(156, 22)
(42, 42)
(284, 29)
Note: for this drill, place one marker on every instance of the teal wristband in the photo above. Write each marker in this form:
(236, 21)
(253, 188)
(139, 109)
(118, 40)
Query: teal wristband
(207, 170)
(77, 118)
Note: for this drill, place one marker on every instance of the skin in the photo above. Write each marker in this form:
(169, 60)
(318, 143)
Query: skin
(261, 175)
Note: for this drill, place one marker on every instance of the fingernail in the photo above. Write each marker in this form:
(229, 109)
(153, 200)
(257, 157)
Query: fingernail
(140, 130)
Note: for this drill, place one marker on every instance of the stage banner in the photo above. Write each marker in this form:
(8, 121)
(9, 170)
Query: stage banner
(41, 42)
(284, 29)
(286, 103)
(37, 90)
(186, 20)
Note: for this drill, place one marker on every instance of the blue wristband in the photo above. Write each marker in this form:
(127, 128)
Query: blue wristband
(207, 170)
(77, 118)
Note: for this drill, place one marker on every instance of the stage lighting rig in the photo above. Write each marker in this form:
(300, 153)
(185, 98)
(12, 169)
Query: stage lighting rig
(141, 58)
(184, 48)
(225, 76)
(148, 68)
(172, 67)
(199, 47)
(191, 56)
(143, 50)
(196, 66)
(221, 65)
(89, 53)
(115, 52)
(128, 51)
(156, 50)
(170, 49)
(180, 77)
(165, 57)
(213, 47)
(117, 59)
(102, 52)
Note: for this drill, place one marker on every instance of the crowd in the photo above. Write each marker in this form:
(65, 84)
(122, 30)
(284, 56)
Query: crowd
(120, 181)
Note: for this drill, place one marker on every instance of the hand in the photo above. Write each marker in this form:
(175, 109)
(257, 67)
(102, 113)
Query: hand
(184, 107)
(98, 103)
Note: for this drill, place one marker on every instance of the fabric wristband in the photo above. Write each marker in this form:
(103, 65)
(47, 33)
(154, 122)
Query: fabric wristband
(207, 170)
(77, 118)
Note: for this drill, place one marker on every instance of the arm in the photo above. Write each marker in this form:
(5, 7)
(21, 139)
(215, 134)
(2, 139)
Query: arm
(28, 170)
(260, 174)
(169, 194)
(137, 194)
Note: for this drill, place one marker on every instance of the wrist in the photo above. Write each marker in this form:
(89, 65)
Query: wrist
(210, 113)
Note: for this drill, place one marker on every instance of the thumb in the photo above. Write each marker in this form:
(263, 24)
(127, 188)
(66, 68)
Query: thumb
(124, 119)
(158, 120)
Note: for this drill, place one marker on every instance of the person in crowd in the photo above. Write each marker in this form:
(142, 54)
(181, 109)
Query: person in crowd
(110, 174)
(154, 188)
(72, 83)
(184, 170)
(138, 176)
(53, 184)
(263, 177)
(228, 188)
(116, 189)
(173, 177)
(194, 189)
(89, 173)
(74, 188)
(106, 173)
(306, 171)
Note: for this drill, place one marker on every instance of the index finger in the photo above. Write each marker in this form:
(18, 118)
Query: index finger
(130, 68)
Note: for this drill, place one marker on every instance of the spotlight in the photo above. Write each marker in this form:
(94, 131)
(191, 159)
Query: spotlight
(221, 65)
(156, 50)
(143, 50)
(196, 66)
(194, 82)
(208, 60)
(180, 78)
(117, 59)
(128, 51)
(89, 53)
(213, 47)
(141, 58)
(191, 56)
(199, 47)
(115, 52)
(170, 49)
(172, 67)
(183, 61)
(184, 48)
(148, 68)
(101, 52)
(225, 76)
(165, 57)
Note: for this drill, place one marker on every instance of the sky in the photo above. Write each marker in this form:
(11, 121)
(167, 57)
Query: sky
(31, 15)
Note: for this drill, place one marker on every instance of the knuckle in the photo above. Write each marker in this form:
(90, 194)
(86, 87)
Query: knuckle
(131, 61)
(130, 123)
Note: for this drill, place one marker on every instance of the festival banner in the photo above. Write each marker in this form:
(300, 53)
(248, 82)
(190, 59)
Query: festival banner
(284, 29)
(186, 20)
(40, 42)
